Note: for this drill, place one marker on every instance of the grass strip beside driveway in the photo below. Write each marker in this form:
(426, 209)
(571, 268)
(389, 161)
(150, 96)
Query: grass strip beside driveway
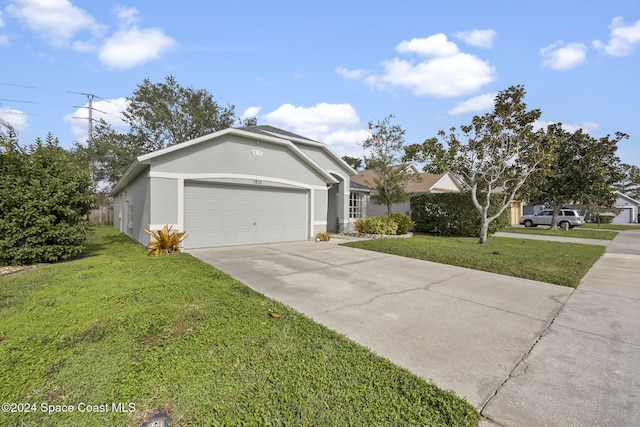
(551, 262)
(176, 334)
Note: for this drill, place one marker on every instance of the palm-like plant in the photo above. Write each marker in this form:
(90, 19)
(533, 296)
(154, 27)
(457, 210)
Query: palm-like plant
(165, 241)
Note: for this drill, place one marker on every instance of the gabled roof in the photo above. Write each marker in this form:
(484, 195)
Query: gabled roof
(280, 133)
(263, 133)
(424, 182)
(627, 197)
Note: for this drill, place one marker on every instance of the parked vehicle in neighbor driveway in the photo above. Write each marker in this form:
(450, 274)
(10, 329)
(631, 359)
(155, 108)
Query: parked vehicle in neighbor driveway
(566, 218)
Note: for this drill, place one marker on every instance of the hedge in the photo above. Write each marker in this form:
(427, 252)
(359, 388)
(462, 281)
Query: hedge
(452, 214)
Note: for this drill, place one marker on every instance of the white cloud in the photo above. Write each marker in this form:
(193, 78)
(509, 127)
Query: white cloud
(250, 112)
(563, 57)
(478, 38)
(59, 22)
(134, 46)
(621, 39)
(478, 103)
(435, 45)
(351, 74)
(127, 15)
(337, 125)
(446, 72)
(16, 118)
(449, 76)
(56, 21)
(110, 111)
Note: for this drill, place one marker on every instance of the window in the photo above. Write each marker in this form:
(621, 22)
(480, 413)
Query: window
(130, 215)
(356, 202)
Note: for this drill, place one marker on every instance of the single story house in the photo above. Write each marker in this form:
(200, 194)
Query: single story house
(629, 208)
(363, 182)
(237, 186)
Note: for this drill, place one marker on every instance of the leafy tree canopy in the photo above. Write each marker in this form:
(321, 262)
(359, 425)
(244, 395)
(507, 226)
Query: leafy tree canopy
(44, 196)
(496, 153)
(386, 149)
(159, 115)
(581, 169)
(629, 182)
(354, 162)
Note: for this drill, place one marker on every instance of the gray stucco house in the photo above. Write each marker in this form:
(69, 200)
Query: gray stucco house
(237, 186)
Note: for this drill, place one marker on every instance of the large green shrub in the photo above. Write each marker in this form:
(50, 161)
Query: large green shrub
(404, 222)
(44, 197)
(380, 225)
(604, 219)
(452, 214)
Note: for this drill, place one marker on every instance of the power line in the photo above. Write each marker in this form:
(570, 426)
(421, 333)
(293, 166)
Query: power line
(17, 85)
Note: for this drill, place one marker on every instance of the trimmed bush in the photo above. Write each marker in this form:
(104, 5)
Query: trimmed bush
(404, 222)
(604, 219)
(452, 214)
(380, 225)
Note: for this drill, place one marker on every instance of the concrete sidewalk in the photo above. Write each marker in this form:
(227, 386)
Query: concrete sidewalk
(585, 369)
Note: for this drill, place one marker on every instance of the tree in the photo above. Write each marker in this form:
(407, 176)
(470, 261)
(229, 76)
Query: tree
(630, 180)
(386, 149)
(164, 114)
(496, 153)
(44, 196)
(582, 169)
(159, 115)
(109, 153)
(354, 162)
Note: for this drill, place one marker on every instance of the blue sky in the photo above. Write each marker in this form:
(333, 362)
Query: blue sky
(325, 69)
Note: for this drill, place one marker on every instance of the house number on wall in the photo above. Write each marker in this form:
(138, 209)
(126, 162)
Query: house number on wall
(257, 181)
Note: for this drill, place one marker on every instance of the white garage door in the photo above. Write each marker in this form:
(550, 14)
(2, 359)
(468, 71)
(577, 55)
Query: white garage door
(624, 217)
(228, 215)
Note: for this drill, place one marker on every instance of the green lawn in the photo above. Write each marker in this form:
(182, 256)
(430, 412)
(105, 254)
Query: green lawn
(584, 233)
(552, 262)
(116, 326)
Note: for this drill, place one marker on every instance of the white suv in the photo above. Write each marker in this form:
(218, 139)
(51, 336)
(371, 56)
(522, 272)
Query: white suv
(569, 217)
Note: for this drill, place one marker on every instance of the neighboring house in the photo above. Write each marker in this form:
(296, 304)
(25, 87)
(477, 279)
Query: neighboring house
(629, 209)
(362, 186)
(237, 186)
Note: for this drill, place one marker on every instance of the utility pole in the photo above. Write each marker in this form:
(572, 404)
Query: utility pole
(90, 97)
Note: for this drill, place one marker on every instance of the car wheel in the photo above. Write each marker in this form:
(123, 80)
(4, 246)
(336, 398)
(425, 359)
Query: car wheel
(564, 225)
(528, 223)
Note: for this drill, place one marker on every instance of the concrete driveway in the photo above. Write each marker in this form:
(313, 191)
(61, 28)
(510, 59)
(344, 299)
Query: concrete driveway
(523, 352)
(463, 329)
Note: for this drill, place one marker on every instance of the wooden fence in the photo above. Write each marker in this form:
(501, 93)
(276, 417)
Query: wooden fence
(102, 215)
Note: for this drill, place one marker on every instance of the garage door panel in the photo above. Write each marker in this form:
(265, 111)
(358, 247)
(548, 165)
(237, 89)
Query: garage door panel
(224, 215)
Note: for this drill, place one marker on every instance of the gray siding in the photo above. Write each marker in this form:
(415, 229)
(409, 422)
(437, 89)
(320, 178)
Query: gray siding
(137, 197)
(234, 155)
(164, 198)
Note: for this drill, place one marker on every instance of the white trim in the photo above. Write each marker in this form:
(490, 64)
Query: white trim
(180, 203)
(310, 213)
(154, 227)
(192, 176)
(319, 222)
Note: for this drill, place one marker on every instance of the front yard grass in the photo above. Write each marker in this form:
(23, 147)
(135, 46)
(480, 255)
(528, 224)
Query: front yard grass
(552, 262)
(582, 233)
(175, 334)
